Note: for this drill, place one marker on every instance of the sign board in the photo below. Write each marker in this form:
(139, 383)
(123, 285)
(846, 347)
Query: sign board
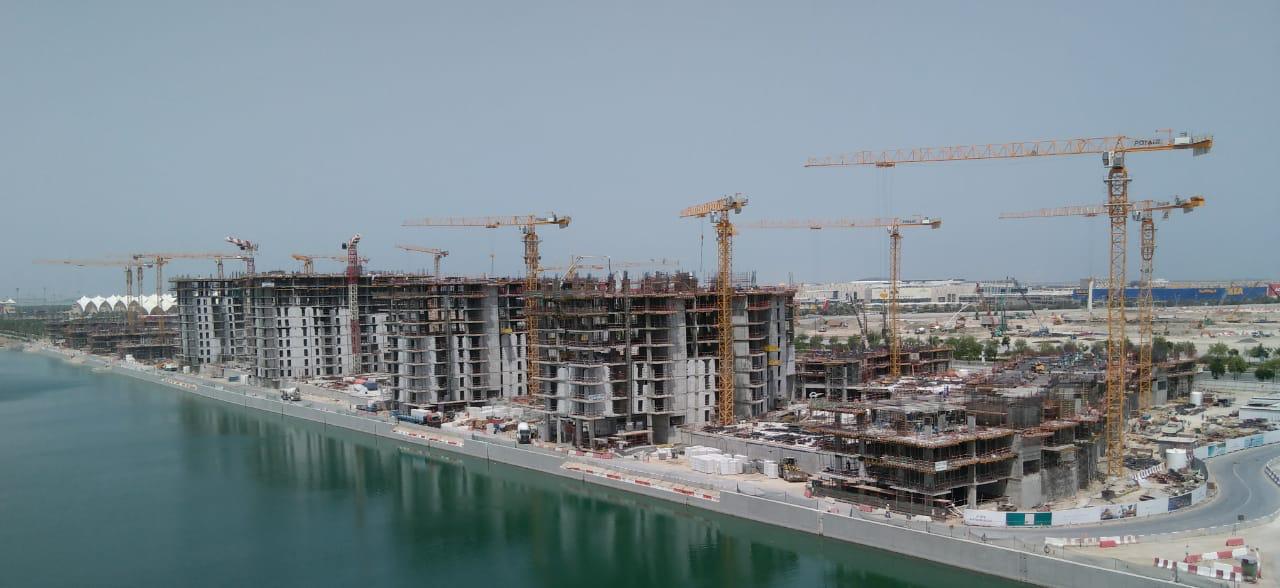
(1028, 519)
(940, 466)
(984, 518)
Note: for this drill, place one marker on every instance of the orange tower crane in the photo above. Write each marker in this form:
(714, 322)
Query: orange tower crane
(1113, 150)
(127, 264)
(718, 211)
(1142, 211)
(436, 254)
(528, 225)
(894, 226)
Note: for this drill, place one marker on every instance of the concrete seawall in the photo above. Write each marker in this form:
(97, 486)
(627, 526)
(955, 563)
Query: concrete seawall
(1013, 564)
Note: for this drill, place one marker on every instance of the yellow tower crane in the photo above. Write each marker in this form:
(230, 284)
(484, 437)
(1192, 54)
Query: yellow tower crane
(1113, 150)
(718, 211)
(1142, 211)
(435, 253)
(894, 225)
(528, 225)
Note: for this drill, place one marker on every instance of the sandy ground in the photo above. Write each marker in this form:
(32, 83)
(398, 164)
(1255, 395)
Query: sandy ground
(1266, 538)
(1232, 325)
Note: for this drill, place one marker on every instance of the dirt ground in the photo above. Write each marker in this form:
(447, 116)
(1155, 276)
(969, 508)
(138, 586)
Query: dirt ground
(1266, 538)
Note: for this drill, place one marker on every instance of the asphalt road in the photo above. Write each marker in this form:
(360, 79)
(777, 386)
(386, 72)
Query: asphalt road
(1243, 489)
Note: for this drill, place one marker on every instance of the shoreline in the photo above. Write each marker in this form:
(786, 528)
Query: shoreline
(808, 516)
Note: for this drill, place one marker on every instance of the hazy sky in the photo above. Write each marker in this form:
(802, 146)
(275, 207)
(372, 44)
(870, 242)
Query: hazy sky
(133, 125)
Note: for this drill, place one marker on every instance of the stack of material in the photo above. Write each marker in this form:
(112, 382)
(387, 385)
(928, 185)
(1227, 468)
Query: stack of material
(769, 468)
(711, 461)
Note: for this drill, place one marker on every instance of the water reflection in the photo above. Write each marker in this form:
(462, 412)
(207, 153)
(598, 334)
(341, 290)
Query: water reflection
(456, 517)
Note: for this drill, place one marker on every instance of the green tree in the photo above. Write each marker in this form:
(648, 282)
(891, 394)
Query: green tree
(873, 339)
(1219, 350)
(802, 342)
(1236, 365)
(1187, 348)
(1264, 373)
(1258, 352)
(1217, 366)
(1047, 348)
(1070, 347)
(854, 342)
(1161, 348)
(1020, 347)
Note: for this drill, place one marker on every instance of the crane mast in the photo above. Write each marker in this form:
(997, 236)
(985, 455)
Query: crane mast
(718, 211)
(356, 358)
(1113, 150)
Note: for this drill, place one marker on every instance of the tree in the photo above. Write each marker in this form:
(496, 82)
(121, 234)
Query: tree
(990, 349)
(1258, 352)
(1217, 366)
(854, 341)
(1020, 346)
(1264, 373)
(1218, 350)
(873, 339)
(1046, 348)
(1161, 348)
(802, 342)
(1070, 347)
(1187, 348)
(1236, 365)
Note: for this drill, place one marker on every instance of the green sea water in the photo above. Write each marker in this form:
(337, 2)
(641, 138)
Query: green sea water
(110, 481)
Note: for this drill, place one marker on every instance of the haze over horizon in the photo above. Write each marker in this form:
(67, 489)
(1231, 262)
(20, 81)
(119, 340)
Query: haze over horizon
(147, 125)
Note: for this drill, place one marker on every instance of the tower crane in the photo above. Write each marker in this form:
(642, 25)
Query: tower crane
(528, 225)
(250, 248)
(1142, 211)
(434, 253)
(356, 357)
(309, 264)
(718, 211)
(127, 264)
(894, 226)
(1113, 150)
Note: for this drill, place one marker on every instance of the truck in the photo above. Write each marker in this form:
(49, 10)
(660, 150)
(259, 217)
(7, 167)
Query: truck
(290, 395)
(524, 435)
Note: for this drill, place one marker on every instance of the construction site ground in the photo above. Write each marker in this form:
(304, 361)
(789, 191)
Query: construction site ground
(1266, 538)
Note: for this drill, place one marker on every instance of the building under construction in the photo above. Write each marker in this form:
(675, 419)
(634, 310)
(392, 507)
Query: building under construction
(439, 344)
(454, 342)
(1022, 436)
(624, 362)
(840, 375)
(144, 327)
